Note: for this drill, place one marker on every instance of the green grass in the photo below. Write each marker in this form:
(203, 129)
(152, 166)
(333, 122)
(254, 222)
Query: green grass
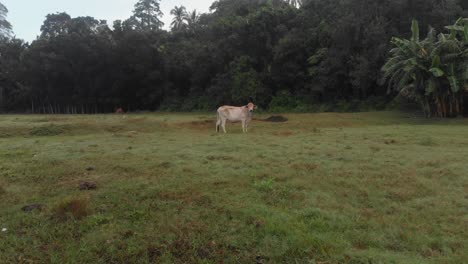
(321, 188)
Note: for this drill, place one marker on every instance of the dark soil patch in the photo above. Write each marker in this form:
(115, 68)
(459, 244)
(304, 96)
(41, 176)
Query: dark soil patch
(154, 252)
(88, 186)
(276, 119)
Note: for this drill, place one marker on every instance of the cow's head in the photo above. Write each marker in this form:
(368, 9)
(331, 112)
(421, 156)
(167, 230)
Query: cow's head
(251, 107)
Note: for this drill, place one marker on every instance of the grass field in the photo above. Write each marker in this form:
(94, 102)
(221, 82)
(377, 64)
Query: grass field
(321, 188)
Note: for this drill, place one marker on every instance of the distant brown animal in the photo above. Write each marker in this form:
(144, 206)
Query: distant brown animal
(235, 113)
(119, 110)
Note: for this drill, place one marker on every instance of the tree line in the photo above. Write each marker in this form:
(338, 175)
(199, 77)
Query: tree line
(281, 54)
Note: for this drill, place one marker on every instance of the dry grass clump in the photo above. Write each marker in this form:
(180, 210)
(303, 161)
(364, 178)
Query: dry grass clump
(72, 208)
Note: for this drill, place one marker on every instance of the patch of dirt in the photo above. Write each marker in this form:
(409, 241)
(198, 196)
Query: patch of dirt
(390, 141)
(276, 119)
(88, 186)
(154, 252)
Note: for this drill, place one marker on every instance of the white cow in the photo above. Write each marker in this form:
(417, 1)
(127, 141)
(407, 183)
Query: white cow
(235, 113)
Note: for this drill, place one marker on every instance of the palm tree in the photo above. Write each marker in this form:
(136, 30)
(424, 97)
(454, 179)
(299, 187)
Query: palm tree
(5, 26)
(295, 3)
(431, 70)
(192, 18)
(178, 22)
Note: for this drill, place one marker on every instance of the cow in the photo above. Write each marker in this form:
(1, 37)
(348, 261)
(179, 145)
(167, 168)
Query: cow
(235, 113)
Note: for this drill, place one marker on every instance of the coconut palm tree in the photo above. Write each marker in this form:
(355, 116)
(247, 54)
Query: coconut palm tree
(192, 18)
(431, 71)
(180, 15)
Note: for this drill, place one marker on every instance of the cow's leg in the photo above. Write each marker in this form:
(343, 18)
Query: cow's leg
(223, 124)
(218, 123)
(244, 129)
(247, 122)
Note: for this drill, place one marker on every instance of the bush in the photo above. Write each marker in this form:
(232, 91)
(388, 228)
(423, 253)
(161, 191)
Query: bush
(200, 103)
(285, 102)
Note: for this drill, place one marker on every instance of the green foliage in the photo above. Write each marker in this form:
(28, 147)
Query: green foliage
(246, 83)
(320, 52)
(283, 101)
(180, 16)
(146, 15)
(431, 70)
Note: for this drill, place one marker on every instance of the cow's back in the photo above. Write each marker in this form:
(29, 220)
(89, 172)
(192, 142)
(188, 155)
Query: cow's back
(232, 113)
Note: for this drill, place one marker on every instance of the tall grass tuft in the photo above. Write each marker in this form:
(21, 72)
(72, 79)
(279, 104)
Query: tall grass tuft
(72, 208)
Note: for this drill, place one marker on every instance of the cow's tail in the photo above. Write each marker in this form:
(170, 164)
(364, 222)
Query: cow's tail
(218, 121)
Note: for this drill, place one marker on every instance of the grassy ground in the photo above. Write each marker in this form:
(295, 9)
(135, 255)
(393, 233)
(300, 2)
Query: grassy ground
(321, 188)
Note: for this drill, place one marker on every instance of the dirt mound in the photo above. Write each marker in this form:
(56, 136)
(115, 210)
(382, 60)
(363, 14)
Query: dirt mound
(87, 186)
(277, 118)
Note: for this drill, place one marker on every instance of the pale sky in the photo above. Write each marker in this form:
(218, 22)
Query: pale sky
(27, 16)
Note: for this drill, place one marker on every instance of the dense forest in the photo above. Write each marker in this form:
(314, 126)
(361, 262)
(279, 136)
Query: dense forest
(283, 55)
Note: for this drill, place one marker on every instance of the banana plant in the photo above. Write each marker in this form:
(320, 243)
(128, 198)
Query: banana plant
(432, 71)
